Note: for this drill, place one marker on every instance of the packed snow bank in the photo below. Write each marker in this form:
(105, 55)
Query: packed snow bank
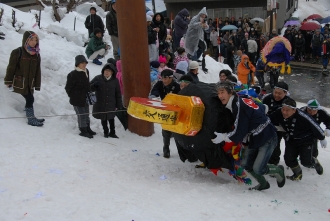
(51, 173)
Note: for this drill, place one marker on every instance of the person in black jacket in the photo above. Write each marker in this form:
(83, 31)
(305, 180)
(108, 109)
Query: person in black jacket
(300, 47)
(152, 38)
(77, 87)
(108, 96)
(320, 115)
(274, 101)
(166, 86)
(111, 22)
(160, 28)
(93, 21)
(300, 132)
(253, 128)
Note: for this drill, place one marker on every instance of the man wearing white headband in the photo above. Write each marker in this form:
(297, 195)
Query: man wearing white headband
(300, 129)
(274, 101)
(320, 115)
(253, 128)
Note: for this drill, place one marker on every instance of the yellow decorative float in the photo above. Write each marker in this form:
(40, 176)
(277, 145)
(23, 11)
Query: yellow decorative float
(176, 113)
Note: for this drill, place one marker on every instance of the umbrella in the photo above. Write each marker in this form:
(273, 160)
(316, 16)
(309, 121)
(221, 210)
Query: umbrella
(310, 26)
(318, 20)
(293, 19)
(228, 28)
(292, 23)
(257, 19)
(325, 20)
(84, 9)
(122, 117)
(314, 16)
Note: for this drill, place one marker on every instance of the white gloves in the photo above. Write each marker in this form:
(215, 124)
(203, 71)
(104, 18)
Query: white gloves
(323, 143)
(327, 132)
(220, 137)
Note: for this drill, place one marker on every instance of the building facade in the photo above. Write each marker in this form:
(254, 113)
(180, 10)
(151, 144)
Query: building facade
(235, 8)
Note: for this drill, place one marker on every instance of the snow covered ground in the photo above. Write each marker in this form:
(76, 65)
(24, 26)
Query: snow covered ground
(51, 173)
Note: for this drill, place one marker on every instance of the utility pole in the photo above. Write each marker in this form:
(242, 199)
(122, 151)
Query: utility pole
(134, 56)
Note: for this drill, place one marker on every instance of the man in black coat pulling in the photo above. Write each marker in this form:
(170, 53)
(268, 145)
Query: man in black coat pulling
(166, 86)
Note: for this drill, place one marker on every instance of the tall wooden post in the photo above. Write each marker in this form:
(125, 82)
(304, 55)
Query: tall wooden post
(134, 57)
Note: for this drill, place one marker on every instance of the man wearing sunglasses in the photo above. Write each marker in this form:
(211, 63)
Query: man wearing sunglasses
(320, 115)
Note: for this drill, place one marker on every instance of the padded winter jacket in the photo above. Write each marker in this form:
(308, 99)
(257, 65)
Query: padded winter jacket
(322, 116)
(94, 44)
(92, 22)
(107, 94)
(111, 22)
(23, 74)
(245, 73)
(181, 22)
(77, 86)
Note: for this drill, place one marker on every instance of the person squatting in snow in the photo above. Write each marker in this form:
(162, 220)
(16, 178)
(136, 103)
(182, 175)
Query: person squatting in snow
(96, 48)
(255, 130)
(23, 73)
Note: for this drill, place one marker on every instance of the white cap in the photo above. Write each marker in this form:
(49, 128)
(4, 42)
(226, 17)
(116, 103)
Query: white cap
(193, 65)
(149, 18)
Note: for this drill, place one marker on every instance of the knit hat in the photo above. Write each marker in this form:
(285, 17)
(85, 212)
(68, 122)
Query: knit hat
(97, 30)
(193, 65)
(112, 61)
(80, 59)
(150, 13)
(155, 64)
(166, 73)
(182, 66)
(162, 59)
(149, 18)
(313, 104)
(92, 8)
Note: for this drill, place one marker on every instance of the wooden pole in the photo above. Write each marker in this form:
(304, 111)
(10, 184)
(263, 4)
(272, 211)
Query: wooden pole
(134, 56)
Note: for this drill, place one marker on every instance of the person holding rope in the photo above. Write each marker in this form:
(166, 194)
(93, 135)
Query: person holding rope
(77, 87)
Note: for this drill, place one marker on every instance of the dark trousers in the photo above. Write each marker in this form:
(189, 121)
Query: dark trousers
(261, 79)
(276, 155)
(184, 153)
(315, 149)
(166, 140)
(273, 78)
(105, 126)
(29, 100)
(252, 57)
(176, 41)
(304, 151)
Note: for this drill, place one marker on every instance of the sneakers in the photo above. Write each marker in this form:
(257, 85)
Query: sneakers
(32, 120)
(96, 61)
(318, 167)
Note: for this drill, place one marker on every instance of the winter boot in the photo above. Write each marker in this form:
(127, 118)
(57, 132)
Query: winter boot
(113, 134)
(32, 120)
(278, 171)
(297, 174)
(166, 151)
(89, 130)
(318, 167)
(263, 183)
(96, 61)
(41, 120)
(99, 57)
(84, 133)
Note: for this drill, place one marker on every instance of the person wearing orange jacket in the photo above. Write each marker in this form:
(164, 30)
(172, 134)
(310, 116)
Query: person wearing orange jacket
(245, 71)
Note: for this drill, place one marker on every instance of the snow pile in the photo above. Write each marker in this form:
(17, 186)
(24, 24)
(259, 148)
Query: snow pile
(51, 173)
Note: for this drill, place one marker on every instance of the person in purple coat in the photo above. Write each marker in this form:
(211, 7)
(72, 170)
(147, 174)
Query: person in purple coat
(181, 22)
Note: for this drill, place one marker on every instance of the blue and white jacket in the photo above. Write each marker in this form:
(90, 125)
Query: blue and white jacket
(252, 126)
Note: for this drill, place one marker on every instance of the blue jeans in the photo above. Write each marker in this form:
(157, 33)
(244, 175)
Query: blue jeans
(257, 159)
